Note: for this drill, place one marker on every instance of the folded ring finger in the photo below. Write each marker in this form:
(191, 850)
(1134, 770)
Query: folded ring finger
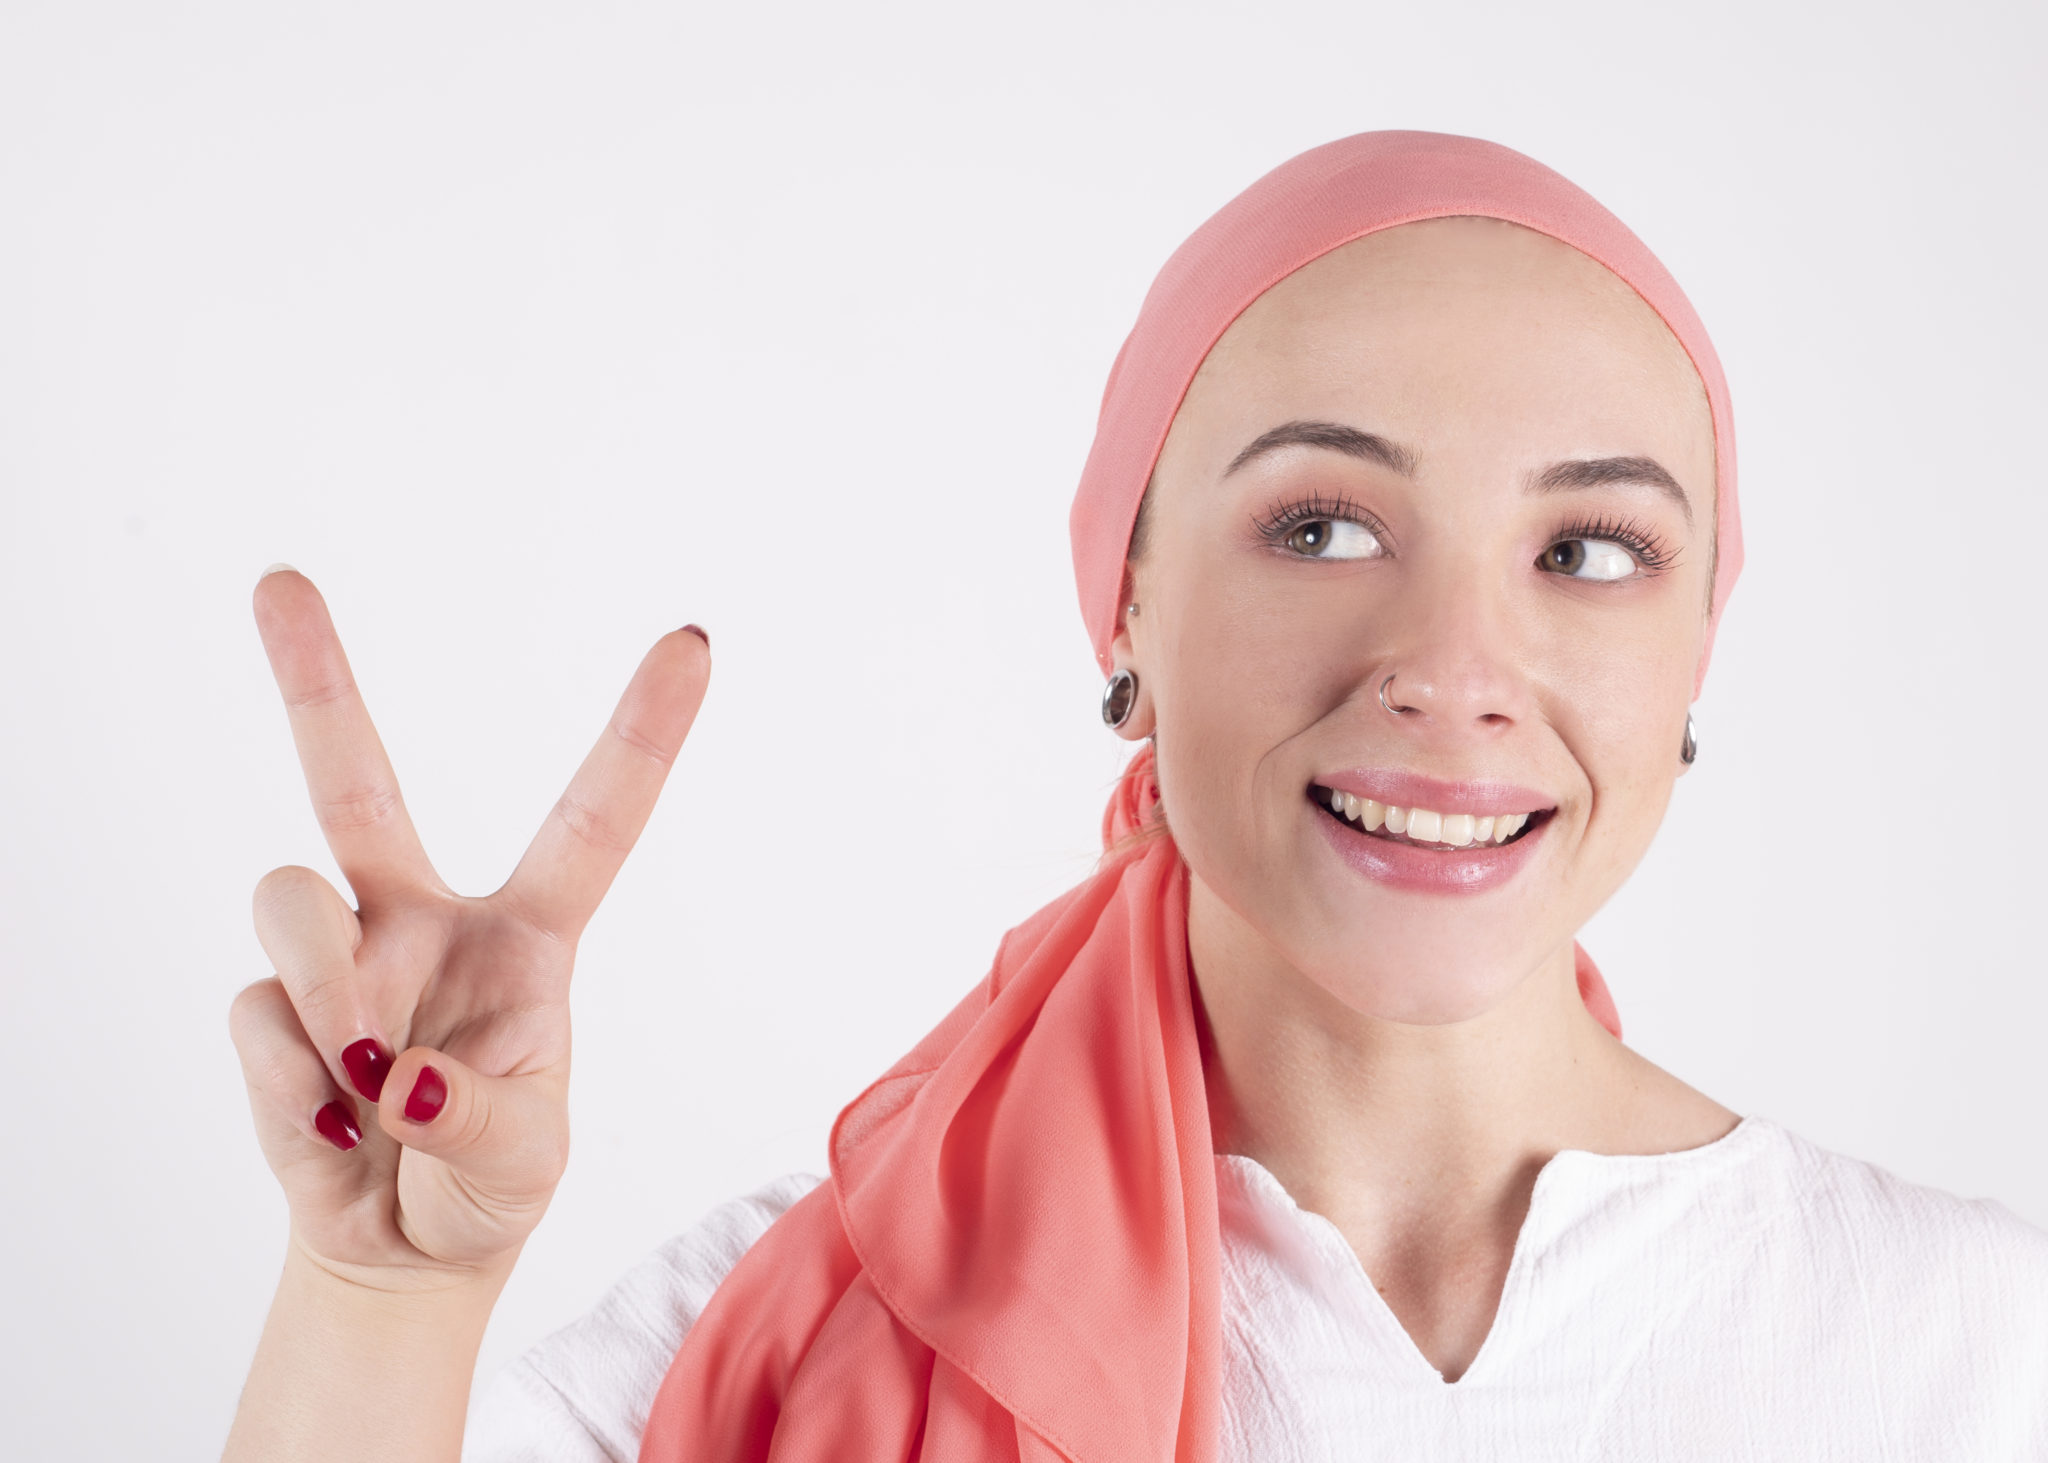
(310, 935)
(285, 1072)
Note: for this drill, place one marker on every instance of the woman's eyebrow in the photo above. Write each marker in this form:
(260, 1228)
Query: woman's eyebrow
(1598, 472)
(1368, 446)
(1559, 477)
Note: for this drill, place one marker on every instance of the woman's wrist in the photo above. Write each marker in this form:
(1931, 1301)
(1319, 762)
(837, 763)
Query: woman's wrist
(402, 1290)
(349, 1367)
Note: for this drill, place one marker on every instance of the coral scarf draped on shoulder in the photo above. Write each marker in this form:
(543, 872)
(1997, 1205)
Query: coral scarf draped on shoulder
(1016, 1255)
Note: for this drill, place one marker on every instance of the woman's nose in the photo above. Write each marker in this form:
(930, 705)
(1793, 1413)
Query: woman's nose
(1452, 666)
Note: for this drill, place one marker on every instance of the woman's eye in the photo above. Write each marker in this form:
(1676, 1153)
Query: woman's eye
(1333, 538)
(1589, 558)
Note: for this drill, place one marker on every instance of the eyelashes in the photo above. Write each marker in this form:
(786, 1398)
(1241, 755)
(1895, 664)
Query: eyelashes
(1652, 552)
(1274, 527)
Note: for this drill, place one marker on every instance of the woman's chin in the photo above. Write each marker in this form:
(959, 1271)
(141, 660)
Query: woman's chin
(1424, 962)
(1386, 950)
(1422, 992)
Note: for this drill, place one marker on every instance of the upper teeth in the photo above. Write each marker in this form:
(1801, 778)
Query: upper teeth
(1424, 825)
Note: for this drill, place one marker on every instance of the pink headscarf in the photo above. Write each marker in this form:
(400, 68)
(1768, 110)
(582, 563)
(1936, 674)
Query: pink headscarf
(1299, 212)
(1015, 1256)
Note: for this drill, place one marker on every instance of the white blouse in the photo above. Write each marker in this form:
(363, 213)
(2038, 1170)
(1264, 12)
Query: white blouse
(1755, 1298)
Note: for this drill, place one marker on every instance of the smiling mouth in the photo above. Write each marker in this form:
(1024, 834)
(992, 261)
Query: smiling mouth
(1424, 827)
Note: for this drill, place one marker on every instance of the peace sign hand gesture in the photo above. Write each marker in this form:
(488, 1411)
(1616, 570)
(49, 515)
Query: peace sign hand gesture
(446, 1015)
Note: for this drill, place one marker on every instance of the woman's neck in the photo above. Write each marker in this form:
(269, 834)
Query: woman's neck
(1421, 1143)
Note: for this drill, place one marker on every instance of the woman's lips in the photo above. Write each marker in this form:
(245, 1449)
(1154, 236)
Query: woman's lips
(1451, 860)
(1413, 790)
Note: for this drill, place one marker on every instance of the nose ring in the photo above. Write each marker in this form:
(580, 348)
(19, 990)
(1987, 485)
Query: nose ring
(1387, 706)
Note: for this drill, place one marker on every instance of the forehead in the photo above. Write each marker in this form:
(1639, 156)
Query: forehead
(1424, 316)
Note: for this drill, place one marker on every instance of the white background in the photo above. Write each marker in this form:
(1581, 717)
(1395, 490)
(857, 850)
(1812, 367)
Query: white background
(533, 332)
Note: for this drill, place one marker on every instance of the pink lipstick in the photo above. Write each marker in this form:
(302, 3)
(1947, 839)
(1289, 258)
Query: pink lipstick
(1427, 835)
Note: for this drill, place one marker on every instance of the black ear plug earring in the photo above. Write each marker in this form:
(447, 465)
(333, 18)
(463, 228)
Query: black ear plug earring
(1118, 697)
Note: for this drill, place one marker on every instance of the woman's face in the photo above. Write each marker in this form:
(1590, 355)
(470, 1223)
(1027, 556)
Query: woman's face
(1463, 455)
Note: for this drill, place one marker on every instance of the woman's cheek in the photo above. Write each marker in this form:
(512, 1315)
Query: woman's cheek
(1632, 784)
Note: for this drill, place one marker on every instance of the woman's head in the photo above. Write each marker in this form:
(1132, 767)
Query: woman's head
(1435, 524)
(1465, 456)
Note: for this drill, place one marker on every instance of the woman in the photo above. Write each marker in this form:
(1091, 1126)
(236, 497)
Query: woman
(1302, 1128)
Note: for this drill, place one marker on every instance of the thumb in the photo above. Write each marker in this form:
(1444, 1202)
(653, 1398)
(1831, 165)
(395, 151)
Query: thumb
(505, 1136)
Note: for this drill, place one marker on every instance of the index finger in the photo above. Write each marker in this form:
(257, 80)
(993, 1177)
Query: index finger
(355, 792)
(573, 859)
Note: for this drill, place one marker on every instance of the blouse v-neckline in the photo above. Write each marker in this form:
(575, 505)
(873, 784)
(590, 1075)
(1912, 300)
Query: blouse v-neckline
(1259, 1216)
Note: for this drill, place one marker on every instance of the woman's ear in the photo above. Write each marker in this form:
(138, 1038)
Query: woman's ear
(1126, 653)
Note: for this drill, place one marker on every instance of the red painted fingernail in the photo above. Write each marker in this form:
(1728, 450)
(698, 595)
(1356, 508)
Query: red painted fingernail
(429, 1094)
(698, 631)
(367, 1065)
(338, 1125)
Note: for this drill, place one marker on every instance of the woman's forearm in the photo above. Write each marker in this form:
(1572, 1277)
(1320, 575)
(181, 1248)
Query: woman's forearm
(347, 1372)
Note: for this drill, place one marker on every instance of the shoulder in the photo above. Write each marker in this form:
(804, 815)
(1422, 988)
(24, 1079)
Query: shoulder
(1938, 1273)
(583, 1393)
(689, 1266)
(1875, 1212)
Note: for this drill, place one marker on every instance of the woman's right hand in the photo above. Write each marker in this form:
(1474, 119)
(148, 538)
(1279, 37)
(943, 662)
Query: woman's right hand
(408, 1065)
